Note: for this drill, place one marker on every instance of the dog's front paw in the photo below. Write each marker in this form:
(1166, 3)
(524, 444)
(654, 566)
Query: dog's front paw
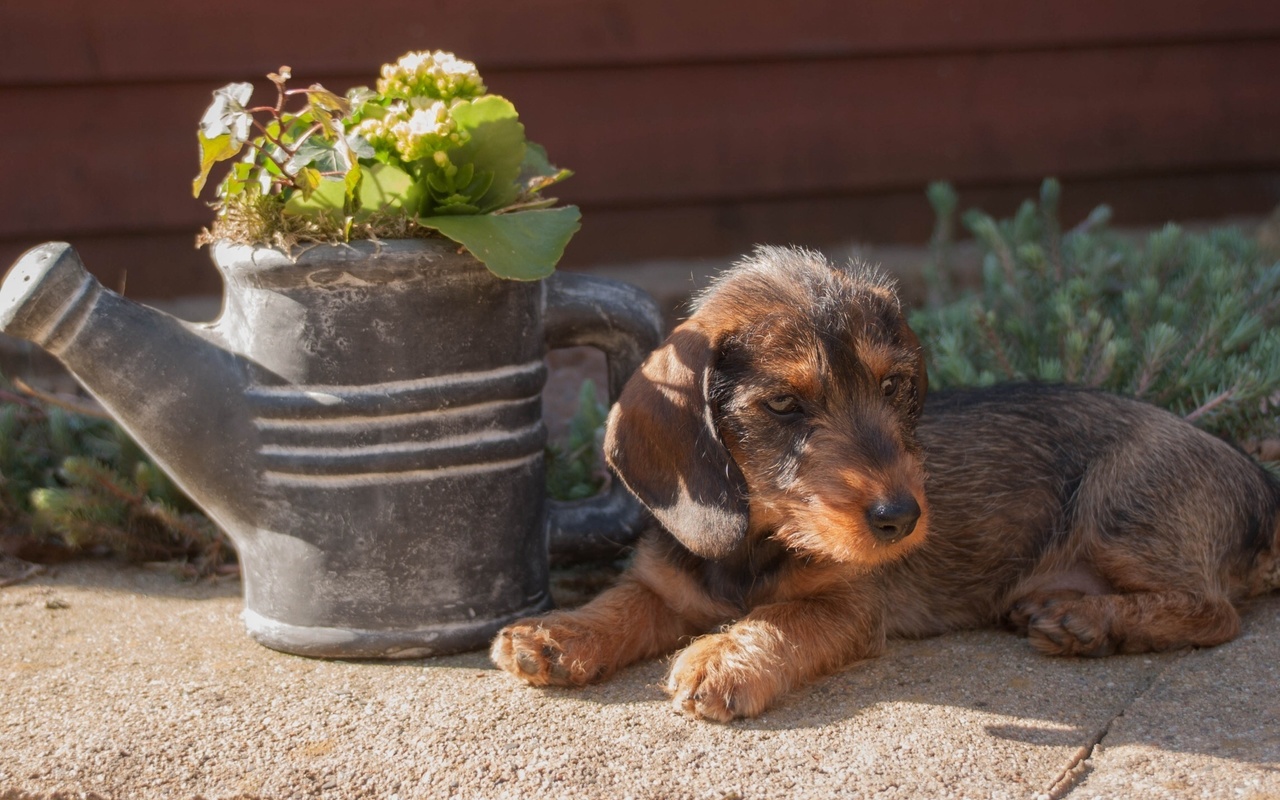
(549, 652)
(1075, 627)
(721, 677)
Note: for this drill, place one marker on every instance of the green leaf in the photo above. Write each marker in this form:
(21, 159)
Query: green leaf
(386, 188)
(308, 180)
(321, 99)
(219, 148)
(497, 146)
(360, 146)
(439, 182)
(327, 198)
(321, 153)
(524, 245)
(455, 204)
(537, 172)
(351, 183)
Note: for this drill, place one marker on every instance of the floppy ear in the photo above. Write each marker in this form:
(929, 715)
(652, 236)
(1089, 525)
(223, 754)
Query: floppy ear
(662, 441)
(912, 341)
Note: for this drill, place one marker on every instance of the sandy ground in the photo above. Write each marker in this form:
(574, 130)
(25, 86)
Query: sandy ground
(129, 683)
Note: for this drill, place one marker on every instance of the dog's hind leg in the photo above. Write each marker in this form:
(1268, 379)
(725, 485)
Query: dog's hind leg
(1099, 625)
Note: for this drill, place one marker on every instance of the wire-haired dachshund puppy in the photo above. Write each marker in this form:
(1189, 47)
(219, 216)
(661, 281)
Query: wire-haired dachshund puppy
(811, 510)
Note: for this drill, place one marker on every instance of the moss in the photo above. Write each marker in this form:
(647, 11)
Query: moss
(254, 219)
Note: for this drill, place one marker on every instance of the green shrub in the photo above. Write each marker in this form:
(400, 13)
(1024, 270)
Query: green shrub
(1186, 321)
(574, 471)
(75, 484)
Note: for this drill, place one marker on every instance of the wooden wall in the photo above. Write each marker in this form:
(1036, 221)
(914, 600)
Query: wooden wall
(695, 128)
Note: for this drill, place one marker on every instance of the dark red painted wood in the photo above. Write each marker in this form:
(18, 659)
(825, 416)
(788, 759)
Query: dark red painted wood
(120, 158)
(695, 128)
(74, 41)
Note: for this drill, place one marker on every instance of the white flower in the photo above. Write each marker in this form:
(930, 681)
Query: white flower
(429, 121)
(419, 132)
(450, 64)
(438, 75)
(412, 62)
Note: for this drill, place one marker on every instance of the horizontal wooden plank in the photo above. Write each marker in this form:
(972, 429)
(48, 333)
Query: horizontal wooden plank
(79, 41)
(112, 159)
(619, 236)
(161, 265)
(838, 126)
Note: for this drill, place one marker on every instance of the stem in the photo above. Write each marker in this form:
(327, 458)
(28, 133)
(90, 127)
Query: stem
(1210, 405)
(1199, 346)
(998, 348)
(542, 202)
(307, 134)
(269, 138)
(1007, 262)
(276, 180)
(937, 267)
(110, 487)
(74, 407)
(10, 397)
(1148, 376)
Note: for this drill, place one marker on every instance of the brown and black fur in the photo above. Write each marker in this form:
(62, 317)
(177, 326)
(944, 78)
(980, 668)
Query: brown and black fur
(801, 533)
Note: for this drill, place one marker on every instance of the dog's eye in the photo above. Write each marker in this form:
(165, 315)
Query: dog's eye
(783, 405)
(889, 386)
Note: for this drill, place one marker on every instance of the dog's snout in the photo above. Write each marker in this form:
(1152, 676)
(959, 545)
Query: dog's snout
(893, 520)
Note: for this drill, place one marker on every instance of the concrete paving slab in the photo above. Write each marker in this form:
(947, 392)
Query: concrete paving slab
(130, 683)
(1207, 727)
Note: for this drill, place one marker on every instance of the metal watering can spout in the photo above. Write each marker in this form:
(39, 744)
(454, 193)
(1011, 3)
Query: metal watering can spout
(170, 384)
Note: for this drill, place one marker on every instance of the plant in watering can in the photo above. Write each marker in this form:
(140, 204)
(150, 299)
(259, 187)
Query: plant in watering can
(429, 151)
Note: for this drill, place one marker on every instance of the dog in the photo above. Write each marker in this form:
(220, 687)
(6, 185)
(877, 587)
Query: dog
(811, 507)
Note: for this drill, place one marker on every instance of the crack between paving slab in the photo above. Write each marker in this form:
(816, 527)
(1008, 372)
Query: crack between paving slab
(1078, 766)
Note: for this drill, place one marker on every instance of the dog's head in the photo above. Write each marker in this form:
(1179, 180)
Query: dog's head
(786, 404)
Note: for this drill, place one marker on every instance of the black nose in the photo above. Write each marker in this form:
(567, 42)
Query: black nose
(893, 520)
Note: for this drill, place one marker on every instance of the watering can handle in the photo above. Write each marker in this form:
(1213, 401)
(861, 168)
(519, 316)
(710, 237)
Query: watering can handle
(624, 323)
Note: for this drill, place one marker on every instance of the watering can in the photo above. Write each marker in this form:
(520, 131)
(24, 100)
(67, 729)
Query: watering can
(365, 423)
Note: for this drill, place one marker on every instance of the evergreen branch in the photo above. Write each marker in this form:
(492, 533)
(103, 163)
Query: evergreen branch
(1149, 372)
(85, 471)
(195, 531)
(17, 399)
(66, 404)
(997, 347)
(1210, 405)
(1049, 194)
(1098, 217)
